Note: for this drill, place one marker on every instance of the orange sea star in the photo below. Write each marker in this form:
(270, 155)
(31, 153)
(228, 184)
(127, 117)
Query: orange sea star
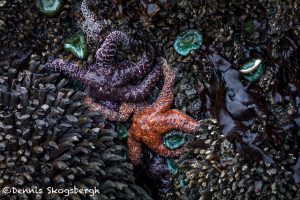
(153, 121)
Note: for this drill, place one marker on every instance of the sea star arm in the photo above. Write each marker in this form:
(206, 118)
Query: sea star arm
(165, 99)
(69, 69)
(124, 112)
(134, 149)
(124, 64)
(175, 120)
(91, 26)
(107, 52)
(139, 92)
(127, 70)
(142, 67)
(120, 78)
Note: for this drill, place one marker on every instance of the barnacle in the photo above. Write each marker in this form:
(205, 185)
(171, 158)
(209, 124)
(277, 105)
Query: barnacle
(23, 29)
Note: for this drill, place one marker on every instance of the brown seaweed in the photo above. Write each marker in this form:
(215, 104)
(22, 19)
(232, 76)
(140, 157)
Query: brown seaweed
(296, 174)
(236, 109)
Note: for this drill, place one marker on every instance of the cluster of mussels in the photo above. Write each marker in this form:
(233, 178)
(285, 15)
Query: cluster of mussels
(212, 170)
(50, 140)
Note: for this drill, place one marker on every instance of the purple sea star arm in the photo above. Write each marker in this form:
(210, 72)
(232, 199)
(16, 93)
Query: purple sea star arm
(128, 93)
(69, 69)
(119, 78)
(107, 52)
(139, 92)
(142, 67)
(127, 70)
(91, 26)
(124, 64)
(86, 12)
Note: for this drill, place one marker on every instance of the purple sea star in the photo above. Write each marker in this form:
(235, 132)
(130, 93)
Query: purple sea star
(109, 80)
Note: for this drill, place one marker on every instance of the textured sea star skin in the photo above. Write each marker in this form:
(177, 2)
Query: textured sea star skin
(90, 25)
(109, 80)
(125, 110)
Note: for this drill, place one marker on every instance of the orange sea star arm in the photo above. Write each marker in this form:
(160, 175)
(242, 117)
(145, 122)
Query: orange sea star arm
(134, 149)
(175, 120)
(166, 96)
(124, 113)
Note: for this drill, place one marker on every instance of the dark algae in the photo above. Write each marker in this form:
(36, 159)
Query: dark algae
(236, 108)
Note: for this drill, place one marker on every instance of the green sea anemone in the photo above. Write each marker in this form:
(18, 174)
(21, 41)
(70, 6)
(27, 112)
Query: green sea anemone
(188, 41)
(172, 166)
(49, 7)
(252, 70)
(174, 140)
(122, 131)
(250, 26)
(77, 46)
